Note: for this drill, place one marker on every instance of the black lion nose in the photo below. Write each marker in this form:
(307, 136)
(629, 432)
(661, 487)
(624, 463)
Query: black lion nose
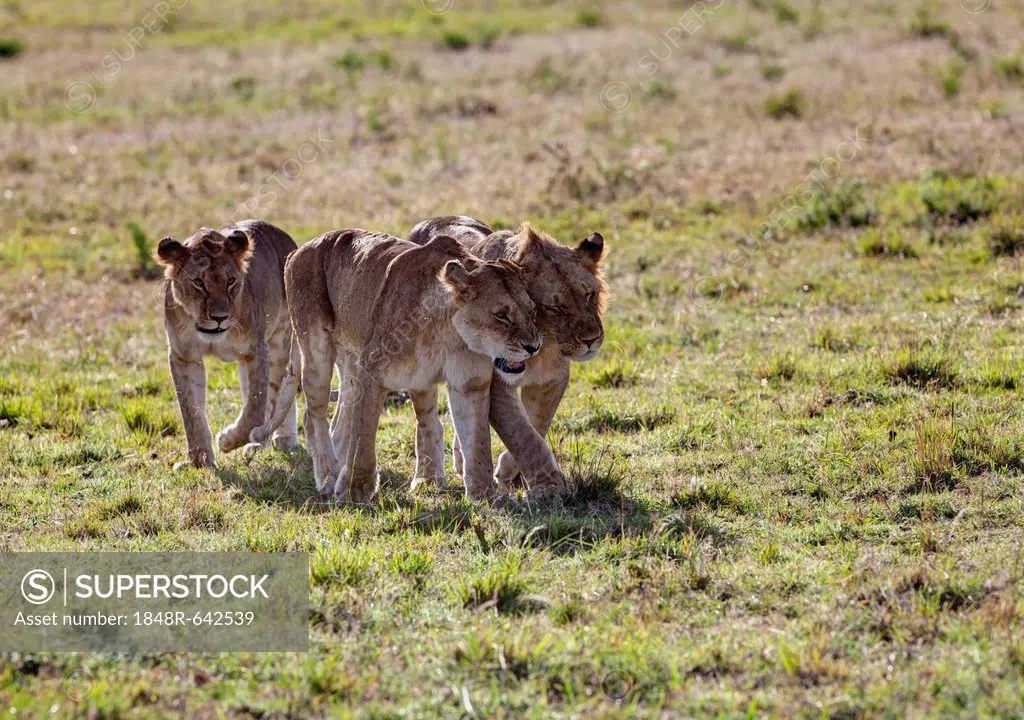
(218, 317)
(591, 340)
(532, 349)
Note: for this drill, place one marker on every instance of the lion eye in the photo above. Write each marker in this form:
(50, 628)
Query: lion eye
(503, 317)
(231, 283)
(559, 309)
(199, 284)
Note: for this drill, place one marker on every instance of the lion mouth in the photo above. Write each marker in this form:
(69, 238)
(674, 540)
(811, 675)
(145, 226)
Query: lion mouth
(509, 366)
(211, 331)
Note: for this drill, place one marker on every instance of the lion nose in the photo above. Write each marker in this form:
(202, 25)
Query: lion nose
(219, 317)
(593, 340)
(532, 349)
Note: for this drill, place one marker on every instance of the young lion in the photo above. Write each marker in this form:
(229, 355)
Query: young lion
(565, 283)
(224, 296)
(391, 315)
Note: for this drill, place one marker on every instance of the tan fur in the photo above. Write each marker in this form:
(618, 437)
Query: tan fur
(393, 315)
(233, 279)
(566, 285)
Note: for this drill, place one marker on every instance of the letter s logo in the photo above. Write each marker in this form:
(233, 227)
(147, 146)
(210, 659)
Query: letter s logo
(38, 587)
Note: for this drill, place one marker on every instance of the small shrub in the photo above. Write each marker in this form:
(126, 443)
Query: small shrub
(455, 40)
(660, 88)
(957, 201)
(145, 266)
(244, 87)
(1006, 236)
(772, 72)
(890, 243)
(383, 59)
(788, 104)
(784, 12)
(920, 369)
(924, 25)
(952, 79)
(1011, 68)
(842, 207)
(352, 61)
(10, 47)
(487, 35)
(589, 17)
(739, 43)
(375, 120)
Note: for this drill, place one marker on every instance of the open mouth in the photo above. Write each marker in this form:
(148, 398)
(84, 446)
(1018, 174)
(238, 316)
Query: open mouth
(509, 366)
(211, 331)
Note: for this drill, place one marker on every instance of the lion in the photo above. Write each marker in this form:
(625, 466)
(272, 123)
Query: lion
(566, 286)
(391, 314)
(224, 296)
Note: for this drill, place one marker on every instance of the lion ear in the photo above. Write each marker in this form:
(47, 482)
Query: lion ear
(528, 246)
(457, 279)
(591, 250)
(238, 246)
(170, 252)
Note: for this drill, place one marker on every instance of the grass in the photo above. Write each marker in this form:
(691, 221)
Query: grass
(10, 47)
(789, 104)
(796, 470)
(455, 40)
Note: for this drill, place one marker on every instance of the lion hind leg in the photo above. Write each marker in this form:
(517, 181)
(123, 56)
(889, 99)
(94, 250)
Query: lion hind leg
(429, 440)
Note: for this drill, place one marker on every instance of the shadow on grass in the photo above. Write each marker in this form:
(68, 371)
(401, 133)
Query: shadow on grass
(594, 508)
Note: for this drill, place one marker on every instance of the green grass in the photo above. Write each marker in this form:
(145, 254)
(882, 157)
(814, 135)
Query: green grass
(796, 469)
(789, 104)
(10, 47)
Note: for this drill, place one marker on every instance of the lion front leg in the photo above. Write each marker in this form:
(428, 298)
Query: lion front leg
(253, 377)
(530, 451)
(540, 403)
(429, 440)
(190, 388)
(469, 414)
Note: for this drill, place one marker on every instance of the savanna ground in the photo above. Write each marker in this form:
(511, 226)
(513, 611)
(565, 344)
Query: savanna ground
(797, 463)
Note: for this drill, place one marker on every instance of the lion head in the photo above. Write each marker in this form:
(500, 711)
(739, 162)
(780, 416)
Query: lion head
(206, 274)
(566, 285)
(494, 314)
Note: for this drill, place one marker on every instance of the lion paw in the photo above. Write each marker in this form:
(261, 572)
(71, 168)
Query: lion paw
(250, 450)
(286, 442)
(358, 488)
(547, 487)
(230, 439)
(202, 459)
(441, 481)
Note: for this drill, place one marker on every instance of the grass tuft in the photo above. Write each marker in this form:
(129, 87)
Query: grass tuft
(924, 369)
(145, 266)
(1005, 238)
(789, 104)
(455, 40)
(503, 588)
(843, 206)
(888, 243)
(589, 17)
(10, 47)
